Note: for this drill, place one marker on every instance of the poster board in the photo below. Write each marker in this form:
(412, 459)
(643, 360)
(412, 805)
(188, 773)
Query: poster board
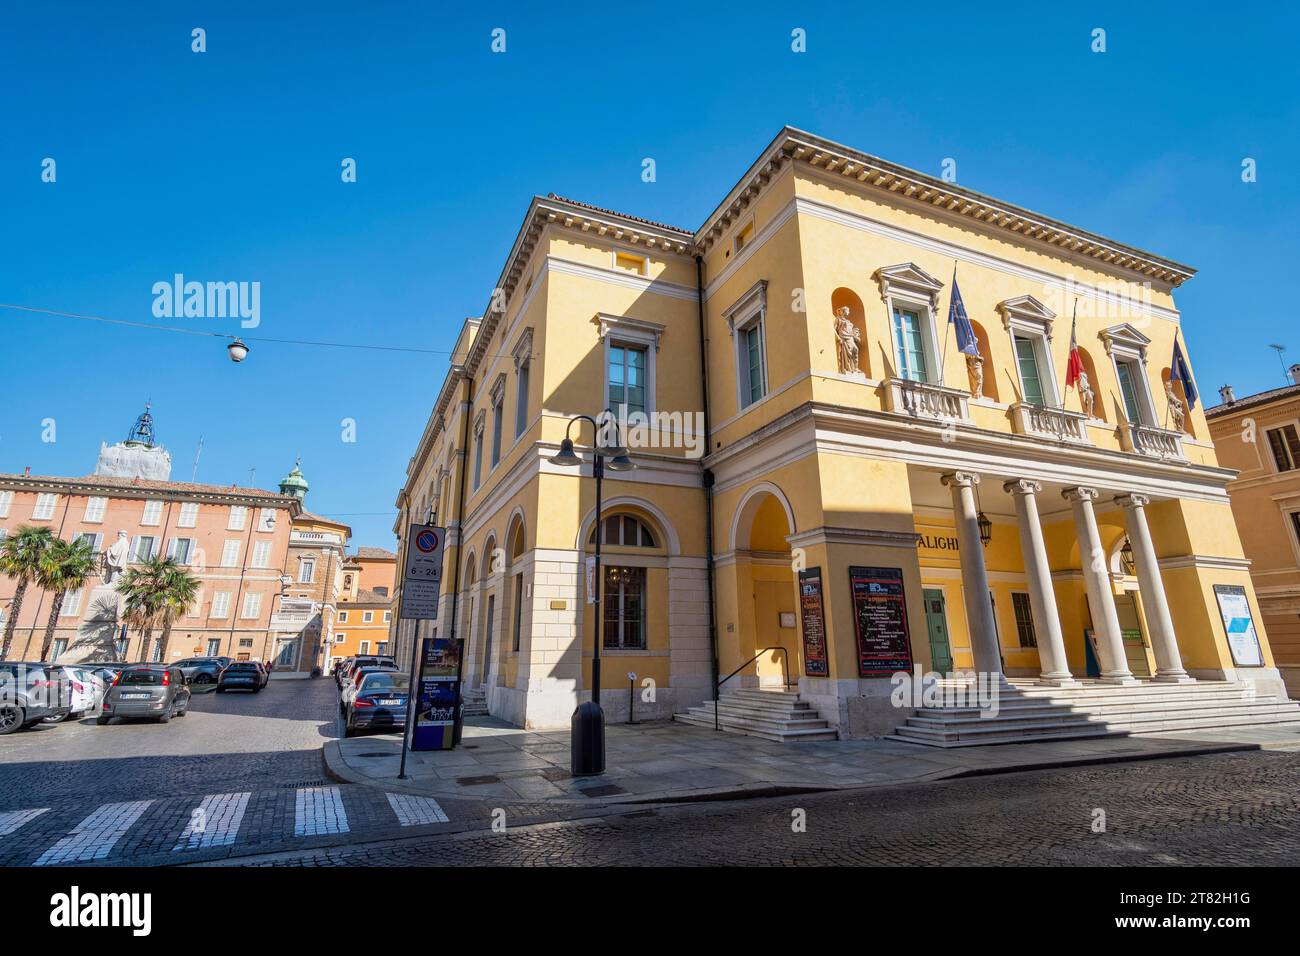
(816, 662)
(880, 621)
(1239, 625)
(437, 695)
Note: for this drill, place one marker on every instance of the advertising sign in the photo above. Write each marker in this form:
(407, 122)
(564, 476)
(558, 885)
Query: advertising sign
(815, 660)
(880, 621)
(422, 576)
(591, 580)
(437, 695)
(1238, 625)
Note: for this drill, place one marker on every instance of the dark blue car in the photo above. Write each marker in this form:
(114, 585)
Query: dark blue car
(379, 703)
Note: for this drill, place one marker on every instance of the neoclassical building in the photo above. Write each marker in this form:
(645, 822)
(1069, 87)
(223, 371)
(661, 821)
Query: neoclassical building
(830, 491)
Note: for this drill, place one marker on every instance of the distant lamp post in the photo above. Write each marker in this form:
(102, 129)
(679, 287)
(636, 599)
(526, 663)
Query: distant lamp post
(587, 736)
(238, 350)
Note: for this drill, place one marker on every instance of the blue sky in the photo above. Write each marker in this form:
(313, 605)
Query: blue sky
(225, 166)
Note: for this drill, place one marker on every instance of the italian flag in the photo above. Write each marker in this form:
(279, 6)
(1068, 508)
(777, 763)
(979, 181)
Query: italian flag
(1074, 367)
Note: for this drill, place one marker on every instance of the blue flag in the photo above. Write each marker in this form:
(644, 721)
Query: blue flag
(966, 341)
(1180, 373)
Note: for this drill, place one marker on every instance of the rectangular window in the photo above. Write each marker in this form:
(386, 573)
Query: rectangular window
(519, 611)
(181, 549)
(911, 345)
(71, 604)
(152, 513)
(364, 648)
(6, 499)
(220, 604)
(478, 459)
(214, 646)
(521, 399)
(95, 508)
(230, 554)
(261, 554)
(238, 515)
(343, 617)
(624, 608)
(1031, 380)
(744, 236)
(1024, 619)
(252, 605)
(1295, 524)
(1128, 376)
(1285, 445)
(189, 516)
(753, 373)
(367, 617)
(45, 504)
(266, 519)
(92, 539)
(60, 645)
(340, 637)
(627, 379)
(628, 262)
(497, 411)
(307, 571)
(388, 616)
(142, 548)
(382, 648)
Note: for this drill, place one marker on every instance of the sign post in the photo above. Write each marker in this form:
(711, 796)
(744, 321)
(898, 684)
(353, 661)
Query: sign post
(421, 584)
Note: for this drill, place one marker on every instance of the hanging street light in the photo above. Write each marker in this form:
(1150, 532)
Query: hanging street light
(238, 350)
(587, 734)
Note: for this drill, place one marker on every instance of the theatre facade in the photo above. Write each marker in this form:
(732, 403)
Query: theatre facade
(827, 492)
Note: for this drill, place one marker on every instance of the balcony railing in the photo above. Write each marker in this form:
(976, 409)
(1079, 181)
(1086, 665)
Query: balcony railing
(922, 400)
(1045, 422)
(1152, 441)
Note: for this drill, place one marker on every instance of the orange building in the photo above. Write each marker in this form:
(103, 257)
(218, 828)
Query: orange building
(365, 605)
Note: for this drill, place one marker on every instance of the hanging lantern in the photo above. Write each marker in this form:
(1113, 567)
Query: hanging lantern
(238, 350)
(986, 528)
(1126, 558)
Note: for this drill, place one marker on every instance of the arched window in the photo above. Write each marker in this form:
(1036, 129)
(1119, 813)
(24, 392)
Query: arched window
(625, 531)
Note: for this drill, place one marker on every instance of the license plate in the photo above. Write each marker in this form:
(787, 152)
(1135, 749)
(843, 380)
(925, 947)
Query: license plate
(392, 702)
(136, 696)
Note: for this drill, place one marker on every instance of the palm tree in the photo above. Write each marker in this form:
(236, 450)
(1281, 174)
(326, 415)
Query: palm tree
(20, 558)
(64, 566)
(156, 591)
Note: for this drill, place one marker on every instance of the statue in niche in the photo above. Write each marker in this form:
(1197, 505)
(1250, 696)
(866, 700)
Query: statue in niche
(847, 337)
(1087, 397)
(1176, 412)
(975, 366)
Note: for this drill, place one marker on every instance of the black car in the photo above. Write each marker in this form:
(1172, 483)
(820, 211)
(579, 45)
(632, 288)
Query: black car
(379, 703)
(152, 691)
(31, 692)
(241, 675)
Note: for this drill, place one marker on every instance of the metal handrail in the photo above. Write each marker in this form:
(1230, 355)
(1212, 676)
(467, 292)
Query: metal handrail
(717, 690)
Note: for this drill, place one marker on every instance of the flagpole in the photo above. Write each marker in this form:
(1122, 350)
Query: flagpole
(1069, 355)
(947, 330)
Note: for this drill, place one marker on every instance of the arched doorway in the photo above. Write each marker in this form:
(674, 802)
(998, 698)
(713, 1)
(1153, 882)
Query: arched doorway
(767, 588)
(491, 575)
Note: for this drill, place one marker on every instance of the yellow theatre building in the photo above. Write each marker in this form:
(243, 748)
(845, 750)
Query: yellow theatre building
(825, 491)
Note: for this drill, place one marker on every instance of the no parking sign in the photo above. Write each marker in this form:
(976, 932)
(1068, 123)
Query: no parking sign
(422, 579)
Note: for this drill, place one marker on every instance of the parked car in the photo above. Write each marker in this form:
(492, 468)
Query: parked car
(358, 675)
(240, 675)
(86, 691)
(30, 692)
(379, 702)
(201, 670)
(352, 664)
(264, 667)
(341, 669)
(153, 691)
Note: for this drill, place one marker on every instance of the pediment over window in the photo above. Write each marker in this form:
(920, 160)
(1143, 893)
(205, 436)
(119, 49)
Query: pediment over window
(1025, 313)
(907, 278)
(627, 329)
(1125, 339)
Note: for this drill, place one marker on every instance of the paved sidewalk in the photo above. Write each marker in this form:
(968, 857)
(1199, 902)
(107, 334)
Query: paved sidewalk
(664, 761)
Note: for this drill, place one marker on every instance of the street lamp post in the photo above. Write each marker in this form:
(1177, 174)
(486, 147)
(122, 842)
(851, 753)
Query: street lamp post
(587, 740)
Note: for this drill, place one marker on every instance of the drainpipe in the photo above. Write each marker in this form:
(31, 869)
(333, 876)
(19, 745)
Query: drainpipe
(706, 481)
(460, 547)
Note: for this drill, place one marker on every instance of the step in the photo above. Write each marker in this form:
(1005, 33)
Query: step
(793, 712)
(1112, 708)
(811, 720)
(780, 735)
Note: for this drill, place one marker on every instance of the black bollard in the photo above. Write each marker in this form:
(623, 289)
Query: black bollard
(588, 740)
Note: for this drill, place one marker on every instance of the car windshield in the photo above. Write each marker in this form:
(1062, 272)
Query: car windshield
(242, 667)
(397, 683)
(145, 678)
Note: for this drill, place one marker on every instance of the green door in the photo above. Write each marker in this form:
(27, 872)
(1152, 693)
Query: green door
(936, 624)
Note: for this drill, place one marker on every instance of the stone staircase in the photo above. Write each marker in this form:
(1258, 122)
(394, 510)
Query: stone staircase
(1033, 712)
(771, 714)
(473, 702)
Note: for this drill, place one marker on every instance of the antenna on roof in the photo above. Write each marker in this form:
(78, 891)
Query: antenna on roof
(194, 475)
(1281, 350)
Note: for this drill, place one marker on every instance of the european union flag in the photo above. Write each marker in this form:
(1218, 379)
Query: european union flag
(966, 341)
(1179, 372)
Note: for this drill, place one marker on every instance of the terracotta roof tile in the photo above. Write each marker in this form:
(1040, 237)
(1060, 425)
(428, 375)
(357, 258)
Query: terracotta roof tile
(147, 484)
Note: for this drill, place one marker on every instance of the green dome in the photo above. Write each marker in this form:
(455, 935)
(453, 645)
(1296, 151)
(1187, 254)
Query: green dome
(294, 483)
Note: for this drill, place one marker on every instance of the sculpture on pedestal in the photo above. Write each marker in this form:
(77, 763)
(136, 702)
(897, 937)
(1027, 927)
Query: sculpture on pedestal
(847, 337)
(1087, 397)
(116, 557)
(975, 366)
(1176, 413)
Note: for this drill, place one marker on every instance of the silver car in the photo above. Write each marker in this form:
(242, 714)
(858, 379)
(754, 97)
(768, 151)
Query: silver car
(153, 691)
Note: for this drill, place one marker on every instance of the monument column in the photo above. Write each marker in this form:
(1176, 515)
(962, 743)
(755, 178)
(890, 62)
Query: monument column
(1042, 599)
(1169, 662)
(1096, 579)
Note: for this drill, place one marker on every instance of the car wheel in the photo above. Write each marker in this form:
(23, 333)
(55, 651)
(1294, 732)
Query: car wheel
(203, 678)
(102, 721)
(165, 717)
(11, 718)
(56, 719)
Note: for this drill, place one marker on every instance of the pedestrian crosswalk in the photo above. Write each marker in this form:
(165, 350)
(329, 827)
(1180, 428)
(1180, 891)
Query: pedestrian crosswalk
(42, 837)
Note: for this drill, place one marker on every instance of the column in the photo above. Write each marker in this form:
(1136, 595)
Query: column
(1096, 579)
(1042, 599)
(1169, 662)
(974, 576)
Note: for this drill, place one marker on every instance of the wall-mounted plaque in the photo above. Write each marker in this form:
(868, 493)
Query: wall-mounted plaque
(880, 621)
(816, 663)
(1238, 625)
